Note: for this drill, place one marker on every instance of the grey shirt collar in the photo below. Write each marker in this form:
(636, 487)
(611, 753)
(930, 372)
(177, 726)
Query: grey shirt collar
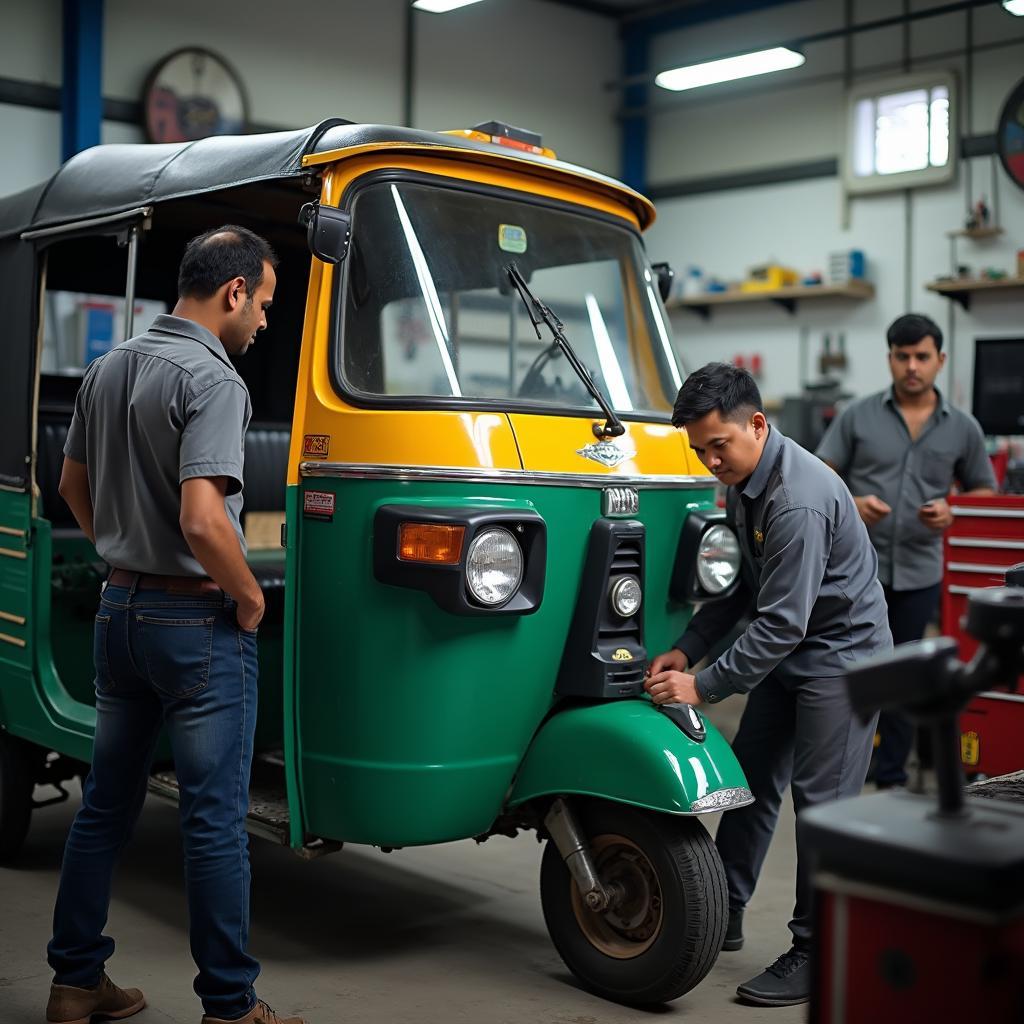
(758, 480)
(941, 406)
(165, 323)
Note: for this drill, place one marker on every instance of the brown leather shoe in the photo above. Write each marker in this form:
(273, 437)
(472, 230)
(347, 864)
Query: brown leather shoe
(259, 1014)
(69, 1005)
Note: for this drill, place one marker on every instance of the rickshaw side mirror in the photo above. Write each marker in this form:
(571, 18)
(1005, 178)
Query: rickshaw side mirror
(665, 275)
(328, 231)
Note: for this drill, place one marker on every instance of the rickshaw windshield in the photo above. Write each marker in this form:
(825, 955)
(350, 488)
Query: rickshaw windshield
(428, 311)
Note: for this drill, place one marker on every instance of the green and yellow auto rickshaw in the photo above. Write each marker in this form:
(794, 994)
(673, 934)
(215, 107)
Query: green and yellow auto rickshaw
(464, 500)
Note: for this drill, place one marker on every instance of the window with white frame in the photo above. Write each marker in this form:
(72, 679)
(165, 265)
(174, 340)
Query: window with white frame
(901, 133)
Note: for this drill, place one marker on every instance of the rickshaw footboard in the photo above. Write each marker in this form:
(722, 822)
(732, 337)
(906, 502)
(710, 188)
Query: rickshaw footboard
(268, 816)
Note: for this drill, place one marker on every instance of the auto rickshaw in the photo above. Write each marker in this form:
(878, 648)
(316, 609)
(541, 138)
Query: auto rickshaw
(465, 502)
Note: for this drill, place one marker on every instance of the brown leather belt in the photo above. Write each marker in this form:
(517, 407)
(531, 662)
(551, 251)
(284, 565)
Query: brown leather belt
(172, 584)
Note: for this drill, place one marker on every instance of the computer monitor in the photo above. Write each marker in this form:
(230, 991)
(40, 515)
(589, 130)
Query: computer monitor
(999, 385)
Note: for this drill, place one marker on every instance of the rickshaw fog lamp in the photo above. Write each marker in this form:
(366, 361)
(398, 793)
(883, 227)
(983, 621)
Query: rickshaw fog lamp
(718, 559)
(494, 566)
(436, 543)
(626, 596)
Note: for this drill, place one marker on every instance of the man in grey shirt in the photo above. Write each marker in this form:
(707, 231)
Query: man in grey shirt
(899, 451)
(810, 575)
(153, 475)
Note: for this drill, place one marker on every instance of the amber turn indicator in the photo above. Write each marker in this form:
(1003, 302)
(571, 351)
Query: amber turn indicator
(438, 543)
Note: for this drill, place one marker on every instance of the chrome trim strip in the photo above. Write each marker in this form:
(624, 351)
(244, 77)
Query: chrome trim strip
(1014, 698)
(368, 471)
(10, 553)
(955, 588)
(12, 640)
(987, 513)
(986, 542)
(722, 800)
(986, 570)
(18, 620)
(12, 532)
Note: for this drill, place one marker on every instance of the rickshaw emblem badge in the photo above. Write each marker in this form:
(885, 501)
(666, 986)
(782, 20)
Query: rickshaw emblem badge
(621, 654)
(606, 452)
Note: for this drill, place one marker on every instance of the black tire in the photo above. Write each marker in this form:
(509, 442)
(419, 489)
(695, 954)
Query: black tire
(677, 941)
(16, 787)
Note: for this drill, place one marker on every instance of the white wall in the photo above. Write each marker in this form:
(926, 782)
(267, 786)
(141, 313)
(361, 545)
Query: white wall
(523, 61)
(733, 128)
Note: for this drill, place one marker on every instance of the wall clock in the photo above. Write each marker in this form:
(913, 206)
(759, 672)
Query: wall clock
(1010, 135)
(191, 94)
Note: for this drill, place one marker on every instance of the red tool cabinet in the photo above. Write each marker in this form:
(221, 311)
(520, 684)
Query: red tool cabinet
(986, 538)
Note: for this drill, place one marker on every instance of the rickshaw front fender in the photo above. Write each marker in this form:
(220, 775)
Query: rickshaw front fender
(630, 752)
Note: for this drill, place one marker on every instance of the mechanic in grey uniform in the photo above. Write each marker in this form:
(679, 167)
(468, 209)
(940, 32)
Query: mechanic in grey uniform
(809, 581)
(899, 451)
(153, 475)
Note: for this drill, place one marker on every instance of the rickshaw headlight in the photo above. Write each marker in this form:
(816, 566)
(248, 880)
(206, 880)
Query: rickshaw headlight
(494, 566)
(718, 559)
(626, 596)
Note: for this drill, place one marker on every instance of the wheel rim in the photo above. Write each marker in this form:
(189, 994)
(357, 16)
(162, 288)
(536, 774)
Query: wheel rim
(631, 926)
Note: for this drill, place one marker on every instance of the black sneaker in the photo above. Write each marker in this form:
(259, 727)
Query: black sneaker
(734, 931)
(786, 983)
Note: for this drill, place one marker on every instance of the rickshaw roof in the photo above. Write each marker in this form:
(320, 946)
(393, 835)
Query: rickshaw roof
(112, 179)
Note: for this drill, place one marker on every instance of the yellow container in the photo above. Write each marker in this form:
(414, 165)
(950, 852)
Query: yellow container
(769, 277)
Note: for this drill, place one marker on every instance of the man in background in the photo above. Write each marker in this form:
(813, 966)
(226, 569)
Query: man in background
(900, 451)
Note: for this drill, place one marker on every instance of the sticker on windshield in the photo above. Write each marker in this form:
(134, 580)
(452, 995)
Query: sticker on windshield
(511, 238)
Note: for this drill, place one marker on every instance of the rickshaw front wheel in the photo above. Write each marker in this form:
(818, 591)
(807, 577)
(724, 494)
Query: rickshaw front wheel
(16, 788)
(664, 929)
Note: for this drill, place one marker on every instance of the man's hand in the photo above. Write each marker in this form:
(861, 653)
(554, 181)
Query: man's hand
(672, 688)
(674, 660)
(936, 515)
(872, 509)
(250, 614)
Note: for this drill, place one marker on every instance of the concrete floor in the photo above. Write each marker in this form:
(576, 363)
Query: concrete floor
(424, 936)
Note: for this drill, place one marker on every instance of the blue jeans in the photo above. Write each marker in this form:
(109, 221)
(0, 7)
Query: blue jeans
(180, 662)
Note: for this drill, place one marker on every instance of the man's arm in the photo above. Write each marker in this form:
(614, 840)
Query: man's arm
(209, 533)
(797, 545)
(974, 468)
(74, 489)
(713, 621)
(973, 471)
(836, 447)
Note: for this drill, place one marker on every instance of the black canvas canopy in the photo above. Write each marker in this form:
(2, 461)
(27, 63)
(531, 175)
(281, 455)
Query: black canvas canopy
(107, 181)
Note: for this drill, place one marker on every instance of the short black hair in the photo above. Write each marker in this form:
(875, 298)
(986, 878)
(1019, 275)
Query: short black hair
(216, 256)
(728, 389)
(910, 328)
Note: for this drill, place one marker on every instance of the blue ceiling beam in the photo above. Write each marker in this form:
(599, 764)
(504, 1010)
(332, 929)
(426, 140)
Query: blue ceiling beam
(82, 89)
(635, 61)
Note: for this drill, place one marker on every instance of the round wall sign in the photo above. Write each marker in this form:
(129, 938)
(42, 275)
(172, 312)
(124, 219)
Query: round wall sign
(1010, 135)
(191, 94)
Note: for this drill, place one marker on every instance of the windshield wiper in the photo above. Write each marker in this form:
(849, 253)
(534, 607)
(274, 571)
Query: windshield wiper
(539, 313)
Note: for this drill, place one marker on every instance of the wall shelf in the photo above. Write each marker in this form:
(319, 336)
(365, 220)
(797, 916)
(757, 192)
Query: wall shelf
(961, 289)
(785, 297)
(976, 233)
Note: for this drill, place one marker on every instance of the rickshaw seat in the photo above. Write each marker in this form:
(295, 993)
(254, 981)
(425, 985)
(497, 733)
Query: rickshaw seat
(53, 432)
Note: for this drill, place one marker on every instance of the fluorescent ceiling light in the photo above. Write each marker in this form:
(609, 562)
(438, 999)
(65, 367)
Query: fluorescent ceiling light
(725, 70)
(442, 6)
(1015, 7)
